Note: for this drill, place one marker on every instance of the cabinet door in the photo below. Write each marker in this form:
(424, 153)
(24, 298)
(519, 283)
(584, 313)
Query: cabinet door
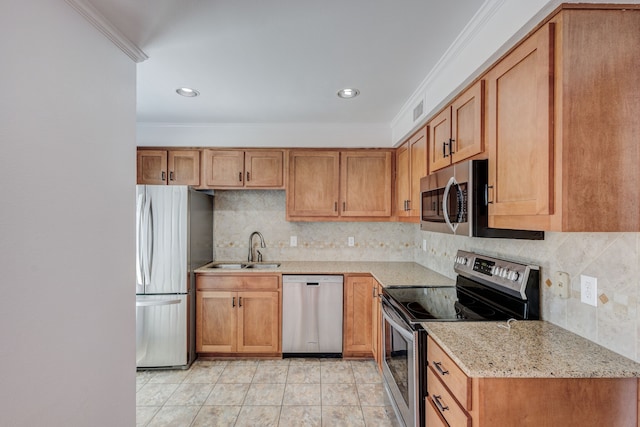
(216, 321)
(418, 160)
(358, 315)
(184, 167)
(403, 180)
(152, 167)
(313, 186)
(439, 140)
(365, 183)
(519, 136)
(223, 168)
(466, 123)
(263, 169)
(377, 324)
(259, 322)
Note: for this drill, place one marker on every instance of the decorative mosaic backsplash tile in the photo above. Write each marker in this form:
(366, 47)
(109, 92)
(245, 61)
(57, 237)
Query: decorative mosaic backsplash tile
(239, 213)
(614, 258)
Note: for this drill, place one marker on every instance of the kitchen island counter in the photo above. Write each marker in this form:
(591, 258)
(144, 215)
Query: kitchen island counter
(386, 273)
(530, 349)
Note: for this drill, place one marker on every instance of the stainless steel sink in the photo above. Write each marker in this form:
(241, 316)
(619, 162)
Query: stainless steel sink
(240, 265)
(229, 265)
(264, 265)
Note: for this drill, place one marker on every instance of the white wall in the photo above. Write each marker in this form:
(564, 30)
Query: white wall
(67, 174)
(264, 135)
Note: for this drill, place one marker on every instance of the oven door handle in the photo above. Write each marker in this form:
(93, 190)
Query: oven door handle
(445, 202)
(402, 329)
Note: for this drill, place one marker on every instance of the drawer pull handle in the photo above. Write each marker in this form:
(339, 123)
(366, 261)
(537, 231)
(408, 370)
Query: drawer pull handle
(438, 366)
(239, 301)
(233, 302)
(441, 407)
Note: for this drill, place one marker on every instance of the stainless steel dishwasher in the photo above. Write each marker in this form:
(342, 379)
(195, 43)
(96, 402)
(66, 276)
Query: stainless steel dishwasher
(312, 316)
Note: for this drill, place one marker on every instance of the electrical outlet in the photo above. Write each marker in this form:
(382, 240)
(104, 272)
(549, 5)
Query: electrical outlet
(589, 290)
(424, 245)
(561, 284)
(293, 241)
(351, 241)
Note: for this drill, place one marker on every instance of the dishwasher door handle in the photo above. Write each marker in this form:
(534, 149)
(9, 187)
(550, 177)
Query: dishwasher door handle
(313, 284)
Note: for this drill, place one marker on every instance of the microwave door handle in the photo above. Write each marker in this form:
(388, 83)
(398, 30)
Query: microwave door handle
(445, 203)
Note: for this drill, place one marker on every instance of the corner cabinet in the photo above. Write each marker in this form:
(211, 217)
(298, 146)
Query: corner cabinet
(562, 124)
(234, 169)
(456, 133)
(411, 166)
(172, 167)
(328, 185)
(238, 314)
(359, 337)
(454, 399)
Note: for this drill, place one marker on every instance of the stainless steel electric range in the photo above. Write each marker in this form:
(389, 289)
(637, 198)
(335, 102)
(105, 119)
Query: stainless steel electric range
(486, 288)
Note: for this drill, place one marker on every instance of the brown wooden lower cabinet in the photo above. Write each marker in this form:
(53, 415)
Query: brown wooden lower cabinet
(458, 400)
(358, 335)
(238, 314)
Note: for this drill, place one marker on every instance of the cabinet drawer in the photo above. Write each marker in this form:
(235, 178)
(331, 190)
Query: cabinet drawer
(443, 402)
(450, 374)
(432, 414)
(238, 282)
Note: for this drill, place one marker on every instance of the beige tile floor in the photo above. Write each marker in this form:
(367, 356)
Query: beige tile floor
(287, 392)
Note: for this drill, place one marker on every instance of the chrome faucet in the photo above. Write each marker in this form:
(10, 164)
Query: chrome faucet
(262, 245)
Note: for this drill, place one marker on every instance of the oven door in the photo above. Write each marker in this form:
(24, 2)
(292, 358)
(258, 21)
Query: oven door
(399, 365)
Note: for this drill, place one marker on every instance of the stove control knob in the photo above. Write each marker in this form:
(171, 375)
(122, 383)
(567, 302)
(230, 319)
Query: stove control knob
(505, 273)
(514, 276)
(495, 270)
(462, 260)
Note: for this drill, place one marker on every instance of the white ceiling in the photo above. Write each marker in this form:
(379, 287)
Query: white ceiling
(282, 61)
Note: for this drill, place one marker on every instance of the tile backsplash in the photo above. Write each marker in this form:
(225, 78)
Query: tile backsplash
(239, 213)
(613, 258)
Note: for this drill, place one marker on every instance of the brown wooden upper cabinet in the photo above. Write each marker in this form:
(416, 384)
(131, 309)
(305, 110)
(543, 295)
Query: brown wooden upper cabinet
(259, 169)
(456, 133)
(173, 167)
(411, 165)
(328, 185)
(562, 118)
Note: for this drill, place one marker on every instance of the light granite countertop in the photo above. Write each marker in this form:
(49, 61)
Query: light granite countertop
(386, 273)
(530, 349)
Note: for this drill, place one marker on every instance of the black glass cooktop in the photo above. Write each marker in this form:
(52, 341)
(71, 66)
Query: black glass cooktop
(421, 304)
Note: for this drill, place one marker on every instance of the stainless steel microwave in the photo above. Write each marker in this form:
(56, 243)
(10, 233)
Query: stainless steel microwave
(454, 201)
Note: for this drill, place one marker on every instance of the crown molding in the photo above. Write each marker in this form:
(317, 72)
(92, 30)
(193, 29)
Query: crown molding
(95, 18)
(475, 25)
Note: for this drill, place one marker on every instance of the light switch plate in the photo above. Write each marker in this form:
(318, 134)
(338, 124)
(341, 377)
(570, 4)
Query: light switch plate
(424, 245)
(293, 241)
(589, 290)
(351, 241)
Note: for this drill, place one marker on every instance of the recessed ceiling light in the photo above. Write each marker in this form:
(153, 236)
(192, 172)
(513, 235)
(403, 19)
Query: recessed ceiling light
(187, 91)
(348, 93)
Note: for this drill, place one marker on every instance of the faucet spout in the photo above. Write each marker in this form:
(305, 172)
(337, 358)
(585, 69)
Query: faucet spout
(262, 245)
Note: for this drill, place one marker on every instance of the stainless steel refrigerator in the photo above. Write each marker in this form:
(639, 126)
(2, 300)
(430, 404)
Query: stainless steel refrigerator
(174, 236)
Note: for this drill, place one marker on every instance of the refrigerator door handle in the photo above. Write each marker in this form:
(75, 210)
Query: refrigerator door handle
(148, 242)
(139, 234)
(156, 303)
